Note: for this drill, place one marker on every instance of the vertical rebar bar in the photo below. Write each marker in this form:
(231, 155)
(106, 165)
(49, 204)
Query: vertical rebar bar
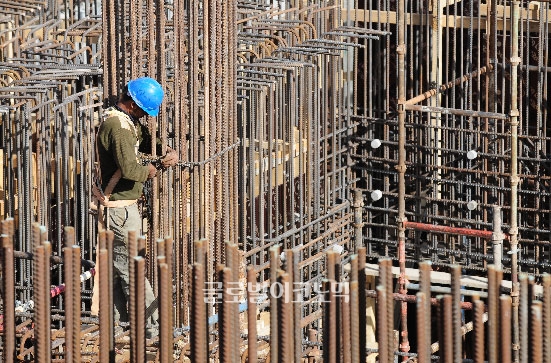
(252, 297)
(536, 347)
(165, 312)
(274, 318)
(494, 282)
(137, 322)
(546, 313)
(456, 313)
(8, 296)
(362, 303)
(199, 337)
(446, 334)
(382, 326)
(524, 322)
(505, 330)
(478, 328)
(423, 322)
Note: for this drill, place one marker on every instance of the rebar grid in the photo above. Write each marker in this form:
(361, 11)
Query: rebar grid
(305, 126)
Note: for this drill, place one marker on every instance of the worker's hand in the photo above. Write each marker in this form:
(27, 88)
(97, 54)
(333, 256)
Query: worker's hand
(152, 171)
(170, 159)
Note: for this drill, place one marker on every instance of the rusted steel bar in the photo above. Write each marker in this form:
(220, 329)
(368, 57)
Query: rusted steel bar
(72, 296)
(8, 297)
(425, 284)
(274, 318)
(331, 264)
(69, 316)
(455, 272)
(330, 348)
(446, 334)
(505, 330)
(235, 269)
(137, 322)
(423, 324)
(383, 325)
(385, 278)
(354, 311)
(524, 318)
(296, 306)
(165, 312)
(77, 302)
(447, 229)
(104, 337)
(546, 313)
(106, 320)
(362, 303)
(200, 252)
(433, 92)
(252, 297)
(354, 324)
(494, 283)
(199, 338)
(536, 347)
(478, 328)
(42, 308)
(344, 302)
(226, 317)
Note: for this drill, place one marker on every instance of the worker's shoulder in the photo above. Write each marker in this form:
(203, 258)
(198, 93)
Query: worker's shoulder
(113, 121)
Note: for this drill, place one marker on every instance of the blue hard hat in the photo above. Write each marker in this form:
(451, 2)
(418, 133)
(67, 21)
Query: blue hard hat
(147, 93)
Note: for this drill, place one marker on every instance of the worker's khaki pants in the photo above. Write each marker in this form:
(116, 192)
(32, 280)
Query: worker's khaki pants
(121, 221)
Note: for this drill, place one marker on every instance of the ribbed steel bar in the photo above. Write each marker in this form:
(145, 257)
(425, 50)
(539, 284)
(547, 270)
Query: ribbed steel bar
(362, 303)
(70, 344)
(226, 320)
(106, 349)
(494, 283)
(252, 298)
(382, 331)
(137, 321)
(166, 331)
(546, 317)
(455, 275)
(505, 336)
(8, 296)
(524, 319)
(446, 335)
(199, 339)
(274, 315)
(536, 346)
(344, 302)
(330, 348)
(423, 327)
(478, 328)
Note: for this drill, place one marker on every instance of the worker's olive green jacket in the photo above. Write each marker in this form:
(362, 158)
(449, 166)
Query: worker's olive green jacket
(118, 141)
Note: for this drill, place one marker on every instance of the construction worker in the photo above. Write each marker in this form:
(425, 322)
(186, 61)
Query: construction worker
(119, 139)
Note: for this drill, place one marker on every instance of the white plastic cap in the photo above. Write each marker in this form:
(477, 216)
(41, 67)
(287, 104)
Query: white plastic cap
(376, 194)
(375, 143)
(472, 154)
(472, 205)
